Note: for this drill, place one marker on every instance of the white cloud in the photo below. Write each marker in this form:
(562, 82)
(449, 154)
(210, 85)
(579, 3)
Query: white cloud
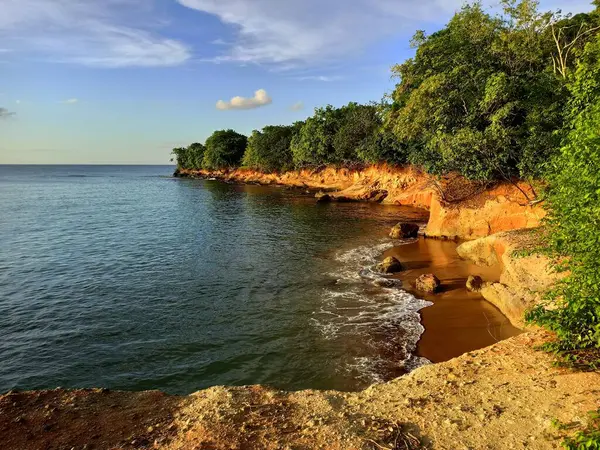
(70, 101)
(298, 106)
(310, 31)
(261, 98)
(18, 102)
(324, 78)
(292, 33)
(108, 33)
(5, 113)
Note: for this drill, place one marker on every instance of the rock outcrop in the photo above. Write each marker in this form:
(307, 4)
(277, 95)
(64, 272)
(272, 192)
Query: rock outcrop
(427, 283)
(404, 230)
(524, 277)
(502, 208)
(390, 265)
(502, 397)
(459, 209)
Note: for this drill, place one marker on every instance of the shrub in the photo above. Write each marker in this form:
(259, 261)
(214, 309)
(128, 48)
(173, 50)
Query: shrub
(573, 200)
(269, 150)
(224, 149)
(190, 157)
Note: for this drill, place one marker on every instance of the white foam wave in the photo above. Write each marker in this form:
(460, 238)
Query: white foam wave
(368, 308)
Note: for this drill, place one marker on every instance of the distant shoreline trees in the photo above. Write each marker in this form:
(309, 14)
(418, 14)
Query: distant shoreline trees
(484, 97)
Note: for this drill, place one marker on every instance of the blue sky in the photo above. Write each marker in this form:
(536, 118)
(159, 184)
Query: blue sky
(124, 81)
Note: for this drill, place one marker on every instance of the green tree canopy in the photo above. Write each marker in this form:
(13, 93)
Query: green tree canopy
(190, 157)
(224, 149)
(342, 136)
(573, 200)
(480, 97)
(269, 150)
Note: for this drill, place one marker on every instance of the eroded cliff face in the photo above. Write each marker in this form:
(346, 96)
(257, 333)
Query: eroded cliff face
(498, 209)
(524, 277)
(459, 209)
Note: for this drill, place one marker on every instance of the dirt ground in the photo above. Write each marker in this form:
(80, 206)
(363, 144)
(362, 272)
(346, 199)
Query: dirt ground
(507, 396)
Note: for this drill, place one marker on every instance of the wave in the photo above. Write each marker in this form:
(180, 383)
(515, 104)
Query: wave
(370, 313)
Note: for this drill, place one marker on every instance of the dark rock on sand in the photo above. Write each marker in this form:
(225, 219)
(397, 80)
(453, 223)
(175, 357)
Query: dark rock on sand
(474, 283)
(390, 265)
(427, 283)
(404, 230)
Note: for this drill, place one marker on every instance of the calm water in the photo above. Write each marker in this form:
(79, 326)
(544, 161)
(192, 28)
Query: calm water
(123, 277)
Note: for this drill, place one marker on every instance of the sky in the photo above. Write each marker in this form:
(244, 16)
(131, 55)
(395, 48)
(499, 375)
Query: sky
(125, 81)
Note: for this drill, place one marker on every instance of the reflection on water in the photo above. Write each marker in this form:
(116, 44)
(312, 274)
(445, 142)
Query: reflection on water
(125, 278)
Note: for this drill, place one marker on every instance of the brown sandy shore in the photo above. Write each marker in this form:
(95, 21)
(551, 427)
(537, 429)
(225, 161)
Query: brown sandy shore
(459, 321)
(504, 396)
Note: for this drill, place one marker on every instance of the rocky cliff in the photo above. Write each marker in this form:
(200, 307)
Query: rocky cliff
(459, 209)
(525, 275)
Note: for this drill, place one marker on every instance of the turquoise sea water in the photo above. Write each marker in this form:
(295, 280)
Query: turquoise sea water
(126, 278)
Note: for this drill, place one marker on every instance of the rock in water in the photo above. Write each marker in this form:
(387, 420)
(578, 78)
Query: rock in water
(390, 265)
(428, 283)
(322, 197)
(474, 283)
(404, 230)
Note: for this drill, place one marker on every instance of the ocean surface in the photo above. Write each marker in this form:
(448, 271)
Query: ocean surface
(126, 278)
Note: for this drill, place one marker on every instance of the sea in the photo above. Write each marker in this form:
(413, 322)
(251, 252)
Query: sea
(124, 277)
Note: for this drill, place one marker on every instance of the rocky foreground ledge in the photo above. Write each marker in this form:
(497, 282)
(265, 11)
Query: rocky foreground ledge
(507, 396)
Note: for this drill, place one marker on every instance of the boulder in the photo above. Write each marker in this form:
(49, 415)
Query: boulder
(427, 283)
(474, 283)
(378, 196)
(404, 230)
(390, 265)
(323, 198)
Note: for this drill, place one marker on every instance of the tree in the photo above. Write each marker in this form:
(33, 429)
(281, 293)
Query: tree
(224, 149)
(341, 136)
(313, 145)
(573, 200)
(478, 97)
(269, 150)
(190, 157)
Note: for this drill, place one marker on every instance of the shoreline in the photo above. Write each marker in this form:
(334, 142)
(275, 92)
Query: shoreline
(505, 395)
(459, 321)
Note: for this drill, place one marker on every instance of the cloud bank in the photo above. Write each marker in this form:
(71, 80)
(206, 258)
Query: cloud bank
(107, 33)
(5, 113)
(70, 101)
(261, 98)
(298, 106)
(294, 32)
(291, 33)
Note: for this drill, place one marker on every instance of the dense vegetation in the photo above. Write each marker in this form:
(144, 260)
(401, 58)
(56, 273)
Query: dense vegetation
(487, 96)
(573, 198)
(493, 97)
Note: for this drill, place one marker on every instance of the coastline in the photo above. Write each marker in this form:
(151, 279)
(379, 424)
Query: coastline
(505, 395)
(465, 214)
(459, 321)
